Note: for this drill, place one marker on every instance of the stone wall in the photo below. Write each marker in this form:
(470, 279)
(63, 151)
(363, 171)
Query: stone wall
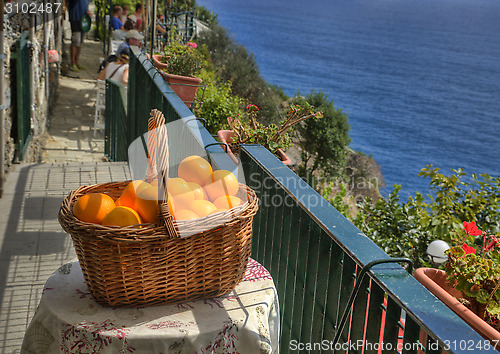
(45, 78)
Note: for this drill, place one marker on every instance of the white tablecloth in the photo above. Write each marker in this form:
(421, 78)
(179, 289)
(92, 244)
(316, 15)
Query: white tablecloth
(68, 320)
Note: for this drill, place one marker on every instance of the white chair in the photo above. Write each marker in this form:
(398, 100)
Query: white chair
(114, 46)
(100, 106)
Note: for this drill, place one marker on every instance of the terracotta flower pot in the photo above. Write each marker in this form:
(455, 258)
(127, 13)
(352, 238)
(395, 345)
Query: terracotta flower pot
(184, 86)
(435, 281)
(157, 61)
(226, 137)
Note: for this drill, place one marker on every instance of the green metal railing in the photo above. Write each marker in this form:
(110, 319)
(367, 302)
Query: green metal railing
(116, 122)
(22, 122)
(314, 254)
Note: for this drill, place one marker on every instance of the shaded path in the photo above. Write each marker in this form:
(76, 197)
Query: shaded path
(70, 132)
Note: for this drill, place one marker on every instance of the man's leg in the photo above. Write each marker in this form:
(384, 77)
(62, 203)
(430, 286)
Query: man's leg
(77, 53)
(72, 52)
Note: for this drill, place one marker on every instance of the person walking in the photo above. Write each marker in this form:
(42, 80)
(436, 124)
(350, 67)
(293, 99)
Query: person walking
(137, 16)
(115, 22)
(76, 9)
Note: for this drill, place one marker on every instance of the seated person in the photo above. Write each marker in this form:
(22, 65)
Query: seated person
(117, 70)
(131, 38)
(115, 22)
(120, 34)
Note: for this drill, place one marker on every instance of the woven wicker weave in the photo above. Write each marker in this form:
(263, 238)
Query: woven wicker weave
(131, 266)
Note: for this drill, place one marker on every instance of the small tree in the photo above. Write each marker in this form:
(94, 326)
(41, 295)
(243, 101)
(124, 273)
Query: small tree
(323, 141)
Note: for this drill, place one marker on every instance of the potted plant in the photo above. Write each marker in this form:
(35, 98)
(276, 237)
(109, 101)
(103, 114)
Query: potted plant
(470, 284)
(273, 137)
(178, 66)
(158, 61)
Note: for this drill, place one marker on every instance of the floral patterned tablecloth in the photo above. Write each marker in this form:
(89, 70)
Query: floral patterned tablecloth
(68, 320)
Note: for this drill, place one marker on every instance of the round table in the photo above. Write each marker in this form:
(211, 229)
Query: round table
(68, 320)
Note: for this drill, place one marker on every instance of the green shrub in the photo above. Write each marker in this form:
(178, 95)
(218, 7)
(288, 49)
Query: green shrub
(397, 227)
(218, 103)
(457, 198)
(407, 228)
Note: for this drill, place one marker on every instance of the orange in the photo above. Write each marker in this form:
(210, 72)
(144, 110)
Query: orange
(181, 193)
(154, 183)
(93, 207)
(217, 211)
(202, 207)
(120, 202)
(122, 216)
(195, 169)
(224, 183)
(227, 202)
(146, 204)
(185, 215)
(199, 192)
(129, 194)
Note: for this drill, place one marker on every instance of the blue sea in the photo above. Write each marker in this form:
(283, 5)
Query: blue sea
(419, 80)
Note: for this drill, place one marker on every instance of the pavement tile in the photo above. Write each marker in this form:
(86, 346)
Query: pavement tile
(15, 296)
(16, 272)
(50, 246)
(13, 329)
(48, 264)
(14, 248)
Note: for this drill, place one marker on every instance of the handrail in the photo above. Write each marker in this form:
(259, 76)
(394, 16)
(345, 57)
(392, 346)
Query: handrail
(429, 313)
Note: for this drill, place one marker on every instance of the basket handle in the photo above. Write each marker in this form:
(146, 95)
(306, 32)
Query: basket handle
(158, 167)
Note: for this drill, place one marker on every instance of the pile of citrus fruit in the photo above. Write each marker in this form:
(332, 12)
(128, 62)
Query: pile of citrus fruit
(198, 191)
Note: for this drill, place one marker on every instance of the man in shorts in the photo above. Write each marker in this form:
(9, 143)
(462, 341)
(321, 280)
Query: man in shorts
(76, 8)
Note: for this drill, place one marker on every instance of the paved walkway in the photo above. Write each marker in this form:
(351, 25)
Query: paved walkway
(71, 134)
(32, 243)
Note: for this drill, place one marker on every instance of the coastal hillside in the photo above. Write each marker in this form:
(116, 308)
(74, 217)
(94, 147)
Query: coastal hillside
(320, 146)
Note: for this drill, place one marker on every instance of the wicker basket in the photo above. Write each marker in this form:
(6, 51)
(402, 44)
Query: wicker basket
(131, 266)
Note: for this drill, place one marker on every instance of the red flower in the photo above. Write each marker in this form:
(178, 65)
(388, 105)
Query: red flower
(252, 107)
(493, 242)
(468, 249)
(471, 229)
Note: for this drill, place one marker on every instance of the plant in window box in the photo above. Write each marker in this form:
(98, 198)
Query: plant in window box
(470, 284)
(179, 65)
(247, 130)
